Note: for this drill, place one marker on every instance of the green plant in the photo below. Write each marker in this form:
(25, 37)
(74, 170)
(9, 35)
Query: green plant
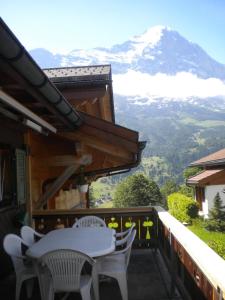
(182, 207)
(216, 221)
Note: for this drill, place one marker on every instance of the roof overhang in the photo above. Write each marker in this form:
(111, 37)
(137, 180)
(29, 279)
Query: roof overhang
(86, 86)
(22, 79)
(114, 148)
(205, 177)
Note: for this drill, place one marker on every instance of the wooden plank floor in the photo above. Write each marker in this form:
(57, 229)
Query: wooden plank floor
(147, 279)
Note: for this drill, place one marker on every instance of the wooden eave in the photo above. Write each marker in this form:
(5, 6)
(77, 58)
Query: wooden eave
(207, 177)
(87, 90)
(112, 146)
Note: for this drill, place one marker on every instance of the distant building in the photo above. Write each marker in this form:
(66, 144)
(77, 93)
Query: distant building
(210, 181)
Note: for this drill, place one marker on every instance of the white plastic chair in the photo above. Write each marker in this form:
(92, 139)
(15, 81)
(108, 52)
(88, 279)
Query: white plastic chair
(124, 233)
(24, 270)
(89, 221)
(65, 267)
(115, 265)
(28, 234)
(124, 240)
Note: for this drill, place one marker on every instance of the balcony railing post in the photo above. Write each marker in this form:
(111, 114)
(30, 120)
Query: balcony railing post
(173, 265)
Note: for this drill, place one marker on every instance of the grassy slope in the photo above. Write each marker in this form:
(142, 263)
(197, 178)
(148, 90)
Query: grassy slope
(216, 240)
(100, 189)
(108, 204)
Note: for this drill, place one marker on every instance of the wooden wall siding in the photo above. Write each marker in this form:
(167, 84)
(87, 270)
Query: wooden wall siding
(42, 149)
(186, 273)
(120, 220)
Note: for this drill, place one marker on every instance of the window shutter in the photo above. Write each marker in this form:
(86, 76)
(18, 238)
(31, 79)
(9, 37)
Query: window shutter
(21, 179)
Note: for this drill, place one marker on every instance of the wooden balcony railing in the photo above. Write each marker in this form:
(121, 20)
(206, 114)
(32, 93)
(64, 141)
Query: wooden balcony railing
(119, 219)
(196, 270)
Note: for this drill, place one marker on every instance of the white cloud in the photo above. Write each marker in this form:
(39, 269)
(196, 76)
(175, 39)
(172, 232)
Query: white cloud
(183, 85)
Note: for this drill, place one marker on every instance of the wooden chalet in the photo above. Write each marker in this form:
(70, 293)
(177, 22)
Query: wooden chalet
(59, 124)
(210, 181)
(52, 123)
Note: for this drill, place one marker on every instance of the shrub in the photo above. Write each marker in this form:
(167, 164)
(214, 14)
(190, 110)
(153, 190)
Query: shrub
(182, 207)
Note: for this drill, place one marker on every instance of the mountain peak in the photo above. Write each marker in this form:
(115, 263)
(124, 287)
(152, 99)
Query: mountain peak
(151, 36)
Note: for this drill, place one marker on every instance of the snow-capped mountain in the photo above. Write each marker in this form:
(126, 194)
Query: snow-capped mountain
(159, 63)
(167, 88)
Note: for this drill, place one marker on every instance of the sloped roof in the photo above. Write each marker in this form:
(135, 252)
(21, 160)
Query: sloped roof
(204, 176)
(215, 158)
(100, 73)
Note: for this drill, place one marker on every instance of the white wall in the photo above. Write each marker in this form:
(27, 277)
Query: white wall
(210, 193)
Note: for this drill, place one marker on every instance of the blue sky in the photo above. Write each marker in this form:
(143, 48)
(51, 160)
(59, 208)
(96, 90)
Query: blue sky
(64, 25)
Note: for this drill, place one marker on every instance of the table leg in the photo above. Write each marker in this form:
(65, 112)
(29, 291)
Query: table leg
(95, 282)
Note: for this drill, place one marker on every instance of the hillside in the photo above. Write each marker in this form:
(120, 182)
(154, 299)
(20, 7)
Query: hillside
(176, 135)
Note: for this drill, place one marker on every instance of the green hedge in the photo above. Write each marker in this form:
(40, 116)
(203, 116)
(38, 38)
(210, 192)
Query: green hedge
(182, 207)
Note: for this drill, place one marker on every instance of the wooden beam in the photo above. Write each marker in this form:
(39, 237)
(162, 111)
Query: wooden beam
(109, 138)
(25, 111)
(58, 183)
(96, 143)
(110, 127)
(61, 160)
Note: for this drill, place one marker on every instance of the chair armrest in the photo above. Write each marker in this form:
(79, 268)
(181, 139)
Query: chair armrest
(120, 234)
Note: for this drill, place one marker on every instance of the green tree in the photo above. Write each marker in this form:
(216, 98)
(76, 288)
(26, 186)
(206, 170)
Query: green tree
(169, 187)
(216, 220)
(182, 207)
(137, 190)
(186, 190)
(191, 171)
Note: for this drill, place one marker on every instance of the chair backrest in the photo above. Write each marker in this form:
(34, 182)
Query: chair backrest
(65, 267)
(89, 221)
(13, 247)
(28, 234)
(127, 234)
(127, 249)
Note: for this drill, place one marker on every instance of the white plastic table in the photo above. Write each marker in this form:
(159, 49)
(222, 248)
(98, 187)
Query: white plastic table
(93, 241)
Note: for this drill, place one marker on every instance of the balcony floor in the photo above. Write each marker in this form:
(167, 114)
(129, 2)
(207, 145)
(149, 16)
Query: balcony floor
(147, 279)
